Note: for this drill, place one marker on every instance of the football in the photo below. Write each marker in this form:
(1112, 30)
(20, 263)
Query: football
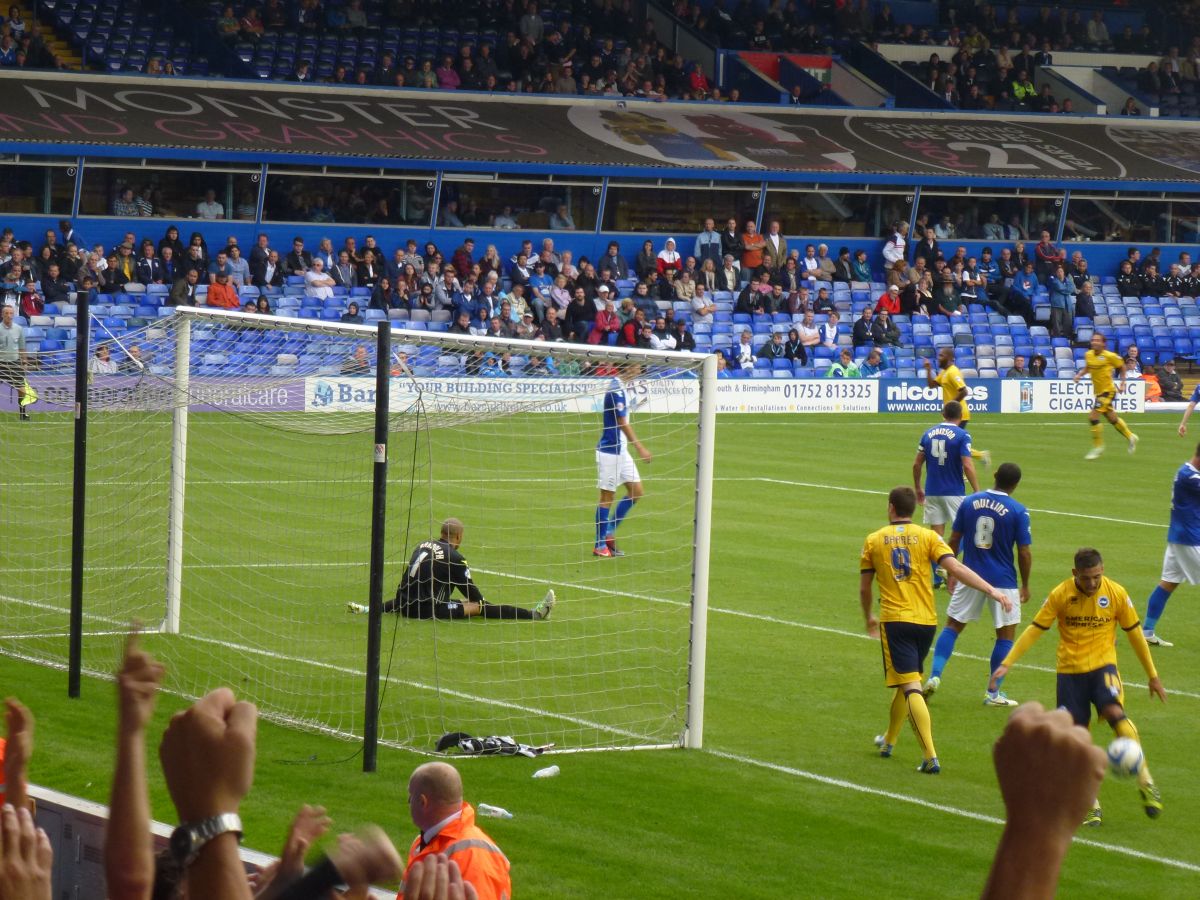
(1125, 757)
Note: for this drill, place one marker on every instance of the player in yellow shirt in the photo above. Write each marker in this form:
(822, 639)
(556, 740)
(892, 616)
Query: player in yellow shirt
(1088, 608)
(954, 387)
(1100, 363)
(902, 556)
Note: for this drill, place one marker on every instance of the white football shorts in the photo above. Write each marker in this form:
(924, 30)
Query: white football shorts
(1181, 564)
(941, 510)
(615, 469)
(967, 605)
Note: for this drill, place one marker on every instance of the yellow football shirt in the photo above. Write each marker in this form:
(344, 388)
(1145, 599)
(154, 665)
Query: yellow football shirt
(1087, 624)
(1100, 367)
(902, 556)
(952, 383)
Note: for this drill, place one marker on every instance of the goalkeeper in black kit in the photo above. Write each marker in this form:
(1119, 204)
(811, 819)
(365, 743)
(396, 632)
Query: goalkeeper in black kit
(435, 571)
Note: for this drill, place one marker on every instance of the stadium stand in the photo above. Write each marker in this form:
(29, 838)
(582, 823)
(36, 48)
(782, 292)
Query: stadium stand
(1157, 313)
(971, 57)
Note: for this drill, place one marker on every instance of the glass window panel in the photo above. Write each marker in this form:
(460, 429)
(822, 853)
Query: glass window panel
(661, 210)
(1175, 221)
(989, 218)
(537, 207)
(168, 193)
(36, 189)
(836, 213)
(352, 200)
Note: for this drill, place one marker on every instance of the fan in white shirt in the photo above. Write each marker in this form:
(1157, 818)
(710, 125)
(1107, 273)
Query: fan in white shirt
(317, 283)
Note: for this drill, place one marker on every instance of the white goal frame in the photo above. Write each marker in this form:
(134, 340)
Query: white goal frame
(693, 732)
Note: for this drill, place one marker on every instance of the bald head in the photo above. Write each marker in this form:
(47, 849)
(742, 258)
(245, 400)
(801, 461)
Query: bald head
(452, 532)
(434, 792)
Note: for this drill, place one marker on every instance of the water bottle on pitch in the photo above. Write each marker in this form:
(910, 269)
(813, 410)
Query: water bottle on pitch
(548, 772)
(493, 812)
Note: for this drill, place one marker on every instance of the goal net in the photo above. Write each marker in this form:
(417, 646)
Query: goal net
(228, 509)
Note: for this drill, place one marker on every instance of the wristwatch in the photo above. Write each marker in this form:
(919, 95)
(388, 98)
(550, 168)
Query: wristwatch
(189, 838)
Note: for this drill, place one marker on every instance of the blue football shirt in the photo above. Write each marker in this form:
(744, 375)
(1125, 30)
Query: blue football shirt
(1185, 507)
(945, 446)
(1195, 398)
(990, 522)
(612, 439)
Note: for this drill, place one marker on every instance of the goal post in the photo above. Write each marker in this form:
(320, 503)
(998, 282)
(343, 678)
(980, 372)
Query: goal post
(233, 480)
(706, 439)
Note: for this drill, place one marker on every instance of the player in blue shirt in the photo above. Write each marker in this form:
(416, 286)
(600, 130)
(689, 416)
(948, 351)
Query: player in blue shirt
(1181, 562)
(945, 452)
(615, 466)
(992, 522)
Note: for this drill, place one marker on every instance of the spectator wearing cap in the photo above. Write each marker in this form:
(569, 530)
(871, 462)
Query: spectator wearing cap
(222, 294)
(843, 267)
(1170, 382)
(526, 329)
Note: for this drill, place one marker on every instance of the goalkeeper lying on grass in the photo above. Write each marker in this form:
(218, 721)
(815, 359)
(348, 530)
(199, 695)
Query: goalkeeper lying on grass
(437, 569)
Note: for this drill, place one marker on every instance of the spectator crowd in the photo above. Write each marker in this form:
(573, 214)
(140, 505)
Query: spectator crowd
(776, 301)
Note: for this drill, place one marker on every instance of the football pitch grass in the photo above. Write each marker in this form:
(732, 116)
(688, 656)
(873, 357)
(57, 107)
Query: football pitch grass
(789, 797)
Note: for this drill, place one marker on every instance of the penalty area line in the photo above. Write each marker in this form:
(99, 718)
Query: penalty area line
(937, 807)
(770, 620)
(850, 490)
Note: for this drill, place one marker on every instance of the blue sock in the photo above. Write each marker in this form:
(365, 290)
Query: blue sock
(601, 524)
(942, 650)
(624, 505)
(1154, 607)
(999, 651)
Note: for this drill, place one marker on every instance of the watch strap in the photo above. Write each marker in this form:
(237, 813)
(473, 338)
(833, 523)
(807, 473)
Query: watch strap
(207, 829)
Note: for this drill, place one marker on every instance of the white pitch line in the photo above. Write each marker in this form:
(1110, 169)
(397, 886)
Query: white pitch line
(346, 670)
(773, 620)
(650, 598)
(719, 754)
(850, 490)
(938, 807)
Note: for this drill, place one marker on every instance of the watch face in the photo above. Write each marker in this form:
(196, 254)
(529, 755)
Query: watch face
(181, 843)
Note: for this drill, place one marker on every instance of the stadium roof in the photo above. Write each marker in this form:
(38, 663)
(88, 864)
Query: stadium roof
(77, 114)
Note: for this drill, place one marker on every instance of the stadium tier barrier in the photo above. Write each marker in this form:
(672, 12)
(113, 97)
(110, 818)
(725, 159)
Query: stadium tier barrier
(356, 393)
(76, 830)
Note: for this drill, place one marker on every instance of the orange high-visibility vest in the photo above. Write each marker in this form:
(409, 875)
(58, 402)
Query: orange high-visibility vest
(479, 859)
